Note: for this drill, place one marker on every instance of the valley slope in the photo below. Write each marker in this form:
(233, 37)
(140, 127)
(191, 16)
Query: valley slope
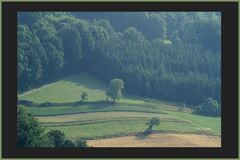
(96, 119)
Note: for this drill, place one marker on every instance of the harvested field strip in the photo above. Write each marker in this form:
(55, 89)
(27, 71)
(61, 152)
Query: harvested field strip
(159, 140)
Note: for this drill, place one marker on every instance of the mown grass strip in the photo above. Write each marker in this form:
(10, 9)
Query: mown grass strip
(214, 123)
(52, 124)
(98, 115)
(65, 110)
(112, 128)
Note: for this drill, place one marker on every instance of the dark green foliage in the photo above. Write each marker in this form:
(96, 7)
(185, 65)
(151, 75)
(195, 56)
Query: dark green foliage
(68, 144)
(29, 63)
(29, 19)
(143, 21)
(209, 107)
(115, 89)
(56, 137)
(81, 143)
(84, 96)
(45, 104)
(165, 55)
(29, 132)
(52, 60)
(153, 122)
(25, 102)
(72, 47)
(204, 29)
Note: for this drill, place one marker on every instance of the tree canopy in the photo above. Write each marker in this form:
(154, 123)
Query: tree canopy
(31, 134)
(29, 131)
(209, 107)
(115, 89)
(173, 56)
(153, 122)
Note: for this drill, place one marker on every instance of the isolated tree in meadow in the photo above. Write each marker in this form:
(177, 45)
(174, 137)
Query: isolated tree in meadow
(115, 89)
(84, 96)
(153, 122)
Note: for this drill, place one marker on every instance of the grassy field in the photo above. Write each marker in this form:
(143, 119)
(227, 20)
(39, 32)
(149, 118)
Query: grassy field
(118, 123)
(70, 90)
(119, 128)
(97, 116)
(93, 121)
(62, 110)
(214, 123)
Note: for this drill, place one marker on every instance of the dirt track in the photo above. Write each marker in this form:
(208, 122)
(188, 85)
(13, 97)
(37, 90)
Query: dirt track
(159, 140)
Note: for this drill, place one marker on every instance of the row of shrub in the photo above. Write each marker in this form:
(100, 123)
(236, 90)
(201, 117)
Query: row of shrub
(58, 139)
(30, 103)
(25, 102)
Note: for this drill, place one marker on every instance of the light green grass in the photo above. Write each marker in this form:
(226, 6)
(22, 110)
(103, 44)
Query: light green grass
(70, 90)
(108, 119)
(214, 123)
(98, 116)
(44, 111)
(130, 125)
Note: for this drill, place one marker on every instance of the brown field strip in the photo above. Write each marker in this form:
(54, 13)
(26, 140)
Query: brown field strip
(159, 140)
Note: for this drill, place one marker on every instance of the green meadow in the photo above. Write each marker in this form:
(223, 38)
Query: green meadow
(102, 120)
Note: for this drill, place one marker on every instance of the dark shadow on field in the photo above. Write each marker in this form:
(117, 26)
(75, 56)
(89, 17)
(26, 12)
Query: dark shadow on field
(92, 105)
(142, 135)
(100, 105)
(86, 80)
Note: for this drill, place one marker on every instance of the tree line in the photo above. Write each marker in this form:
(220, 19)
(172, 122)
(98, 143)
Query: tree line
(170, 56)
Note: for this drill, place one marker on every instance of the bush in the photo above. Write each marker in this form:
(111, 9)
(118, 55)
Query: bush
(209, 107)
(45, 104)
(81, 143)
(25, 102)
(68, 143)
(206, 131)
(153, 122)
(84, 97)
(56, 137)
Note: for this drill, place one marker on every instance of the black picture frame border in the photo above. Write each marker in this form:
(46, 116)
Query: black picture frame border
(229, 149)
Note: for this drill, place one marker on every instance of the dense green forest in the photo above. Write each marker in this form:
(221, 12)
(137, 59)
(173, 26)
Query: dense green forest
(172, 56)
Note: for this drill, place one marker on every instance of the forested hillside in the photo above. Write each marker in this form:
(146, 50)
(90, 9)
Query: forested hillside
(172, 56)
